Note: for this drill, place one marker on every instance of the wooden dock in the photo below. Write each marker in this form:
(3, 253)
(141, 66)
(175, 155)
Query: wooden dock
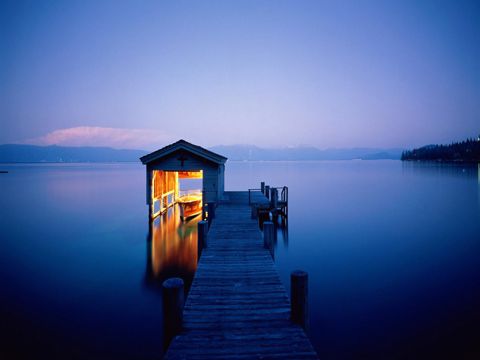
(237, 307)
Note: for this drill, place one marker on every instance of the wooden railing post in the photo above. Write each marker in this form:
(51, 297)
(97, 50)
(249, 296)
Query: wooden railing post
(262, 187)
(299, 298)
(267, 191)
(173, 302)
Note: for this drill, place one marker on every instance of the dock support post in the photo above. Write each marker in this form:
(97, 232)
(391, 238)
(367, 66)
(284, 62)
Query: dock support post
(211, 212)
(254, 213)
(267, 191)
(202, 231)
(299, 298)
(173, 302)
(262, 187)
(204, 205)
(268, 234)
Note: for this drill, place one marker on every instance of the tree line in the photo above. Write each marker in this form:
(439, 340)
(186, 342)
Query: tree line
(467, 151)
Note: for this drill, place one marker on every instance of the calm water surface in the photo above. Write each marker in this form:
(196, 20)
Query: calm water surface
(392, 251)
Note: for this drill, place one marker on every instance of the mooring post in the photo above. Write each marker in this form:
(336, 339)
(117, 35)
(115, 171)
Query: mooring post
(173, 301)
(273, 198)
(262, 187)
(299, 298)
(202, 231)
(268, 234)
(267, 191)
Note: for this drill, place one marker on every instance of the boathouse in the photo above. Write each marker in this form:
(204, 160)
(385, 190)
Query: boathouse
(182, 160)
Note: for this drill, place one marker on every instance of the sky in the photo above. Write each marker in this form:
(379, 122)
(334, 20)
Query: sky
(142, 74)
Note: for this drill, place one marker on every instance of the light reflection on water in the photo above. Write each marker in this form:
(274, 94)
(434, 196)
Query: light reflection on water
(172, 248)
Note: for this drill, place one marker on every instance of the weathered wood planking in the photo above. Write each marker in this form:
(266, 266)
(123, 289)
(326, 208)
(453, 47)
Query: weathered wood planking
(237, 307)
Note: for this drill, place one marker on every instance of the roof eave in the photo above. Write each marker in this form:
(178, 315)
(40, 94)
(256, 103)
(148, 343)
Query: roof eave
(204, 153)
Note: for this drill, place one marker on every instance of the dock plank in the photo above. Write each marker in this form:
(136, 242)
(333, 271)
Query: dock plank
(237, 307)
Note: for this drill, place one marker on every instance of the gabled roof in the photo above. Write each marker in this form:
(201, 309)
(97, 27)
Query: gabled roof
(184, 145)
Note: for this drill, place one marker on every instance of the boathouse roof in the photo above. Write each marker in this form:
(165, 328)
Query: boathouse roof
(183, 145)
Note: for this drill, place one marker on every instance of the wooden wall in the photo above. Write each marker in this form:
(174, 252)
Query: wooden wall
(164, 182)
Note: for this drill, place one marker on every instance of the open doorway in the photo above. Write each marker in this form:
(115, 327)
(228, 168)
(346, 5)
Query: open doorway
(177, 187)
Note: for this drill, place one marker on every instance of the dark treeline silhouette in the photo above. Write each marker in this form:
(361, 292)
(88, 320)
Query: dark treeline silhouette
(467, 151)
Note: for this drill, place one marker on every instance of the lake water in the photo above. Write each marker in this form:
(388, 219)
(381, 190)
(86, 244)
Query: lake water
(392, 250)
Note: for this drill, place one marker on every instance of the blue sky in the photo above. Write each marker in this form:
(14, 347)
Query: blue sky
(271, 73)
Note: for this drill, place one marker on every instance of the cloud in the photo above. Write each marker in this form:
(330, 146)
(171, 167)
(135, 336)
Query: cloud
(119, 138)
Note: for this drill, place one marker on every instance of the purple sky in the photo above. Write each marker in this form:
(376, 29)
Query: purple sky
(272, 73)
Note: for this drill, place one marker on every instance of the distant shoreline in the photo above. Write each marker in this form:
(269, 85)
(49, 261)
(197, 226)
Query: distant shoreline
(440, 161)
(459, 152)
(68, 162)
(138, 162)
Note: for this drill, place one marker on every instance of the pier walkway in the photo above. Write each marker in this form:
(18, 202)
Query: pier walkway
(237, 307)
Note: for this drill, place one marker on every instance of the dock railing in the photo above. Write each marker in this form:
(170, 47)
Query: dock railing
(283, 191)
(284, 194)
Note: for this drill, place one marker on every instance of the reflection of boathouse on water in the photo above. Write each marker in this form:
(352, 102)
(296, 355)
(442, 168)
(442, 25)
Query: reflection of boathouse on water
(173, 247)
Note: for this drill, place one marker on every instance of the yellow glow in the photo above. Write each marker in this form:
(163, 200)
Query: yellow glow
(190, 174)
(174, 243)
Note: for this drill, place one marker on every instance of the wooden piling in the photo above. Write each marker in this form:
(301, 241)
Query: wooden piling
(268, 234)
(299, 298)
(267, 191)
(173, 302)
(262, 187)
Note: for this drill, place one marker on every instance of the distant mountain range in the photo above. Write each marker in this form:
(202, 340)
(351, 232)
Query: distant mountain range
(250, 152)
(11, 153)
